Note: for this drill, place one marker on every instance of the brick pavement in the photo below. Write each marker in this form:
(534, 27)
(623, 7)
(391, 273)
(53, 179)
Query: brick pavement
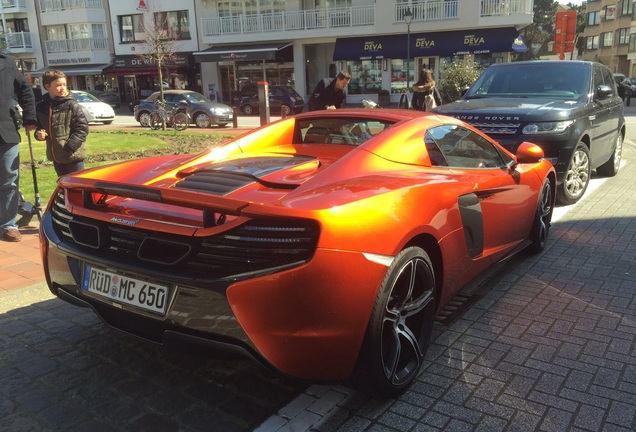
(549, 346)
(20, 263)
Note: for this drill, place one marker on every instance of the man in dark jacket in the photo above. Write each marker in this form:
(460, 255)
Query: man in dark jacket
(12, 82)
(329, 93)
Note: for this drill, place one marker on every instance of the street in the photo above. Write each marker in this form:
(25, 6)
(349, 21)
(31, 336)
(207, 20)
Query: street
(124, 118)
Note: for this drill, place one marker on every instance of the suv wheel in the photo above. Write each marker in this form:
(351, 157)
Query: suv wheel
(610, 168)
(577, 176)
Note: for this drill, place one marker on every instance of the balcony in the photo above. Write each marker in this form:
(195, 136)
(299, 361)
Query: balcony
(66, 5)
(75, 45)
(427, 10)
(505, 7)
(19, 42)
(296, 21)
(14, 6)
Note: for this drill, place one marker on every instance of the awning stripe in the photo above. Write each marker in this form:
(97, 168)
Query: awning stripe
(426, 44)
(240, 52)
(74, 70)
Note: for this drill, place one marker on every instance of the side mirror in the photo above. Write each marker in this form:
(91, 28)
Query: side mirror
(603, 92)
(529, 153)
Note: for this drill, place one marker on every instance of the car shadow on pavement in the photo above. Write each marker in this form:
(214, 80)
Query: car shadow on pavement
(63, 369)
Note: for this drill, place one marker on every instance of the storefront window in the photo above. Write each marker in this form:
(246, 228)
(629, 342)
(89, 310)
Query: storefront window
(250, 73)
(398, 75)
(366, 76)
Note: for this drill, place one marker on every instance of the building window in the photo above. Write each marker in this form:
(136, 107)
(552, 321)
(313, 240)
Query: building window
(607, 39)
(131, 28)
(624, 7)
(592, 42)
(622, 36)
(632, 42)
(594, 18)
(174, 24)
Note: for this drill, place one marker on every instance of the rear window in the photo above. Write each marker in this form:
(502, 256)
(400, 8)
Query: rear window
(350, 131)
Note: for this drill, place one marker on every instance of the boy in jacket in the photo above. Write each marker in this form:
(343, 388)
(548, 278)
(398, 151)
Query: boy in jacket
(61, 122)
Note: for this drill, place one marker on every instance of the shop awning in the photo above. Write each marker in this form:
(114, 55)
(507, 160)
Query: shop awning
(74, 70)
(472, 41)
(151, 70)
(241, 52)
(370, 47)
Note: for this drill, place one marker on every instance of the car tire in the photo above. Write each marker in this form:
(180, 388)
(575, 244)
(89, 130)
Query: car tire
(611, 167)
(247, 110)
(285, 110)
(202, 120)
(400, 327)
(542, 219)
(577, 176)
(144, 119)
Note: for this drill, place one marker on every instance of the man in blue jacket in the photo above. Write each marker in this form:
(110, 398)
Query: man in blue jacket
(12, 82)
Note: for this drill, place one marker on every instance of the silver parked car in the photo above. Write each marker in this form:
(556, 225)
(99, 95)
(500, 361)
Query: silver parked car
(202, 111)
(94, 109)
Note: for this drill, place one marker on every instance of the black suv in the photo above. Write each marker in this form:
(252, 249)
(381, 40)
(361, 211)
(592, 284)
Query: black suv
(571, 109)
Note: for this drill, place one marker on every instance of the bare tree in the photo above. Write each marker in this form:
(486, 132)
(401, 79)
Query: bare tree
(159, 48)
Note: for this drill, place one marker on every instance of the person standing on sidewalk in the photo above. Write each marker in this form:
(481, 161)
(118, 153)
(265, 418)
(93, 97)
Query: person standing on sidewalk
(12, 83)
(62, 124)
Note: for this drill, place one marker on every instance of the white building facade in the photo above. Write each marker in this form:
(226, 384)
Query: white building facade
(299, 42)
(222, 45)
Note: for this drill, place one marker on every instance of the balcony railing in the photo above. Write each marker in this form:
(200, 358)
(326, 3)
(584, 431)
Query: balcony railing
(61, 5)
(506, 7)
(427, 10)
(7, 5)
(75, 45)
(290, 21)
(19, 40)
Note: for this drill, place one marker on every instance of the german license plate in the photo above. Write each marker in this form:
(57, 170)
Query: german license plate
(145, 295)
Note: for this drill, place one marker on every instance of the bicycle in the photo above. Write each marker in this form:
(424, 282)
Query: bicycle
(174, 116)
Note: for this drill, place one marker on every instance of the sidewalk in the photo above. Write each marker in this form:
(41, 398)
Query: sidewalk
(20, 263)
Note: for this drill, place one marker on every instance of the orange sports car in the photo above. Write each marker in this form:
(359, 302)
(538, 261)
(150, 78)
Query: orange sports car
(322, 244)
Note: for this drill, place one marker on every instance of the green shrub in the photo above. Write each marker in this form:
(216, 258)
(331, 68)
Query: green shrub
(456, 75)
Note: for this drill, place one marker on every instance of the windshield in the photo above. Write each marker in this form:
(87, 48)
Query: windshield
(554, 80)
(195, 97)
(85, 97)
